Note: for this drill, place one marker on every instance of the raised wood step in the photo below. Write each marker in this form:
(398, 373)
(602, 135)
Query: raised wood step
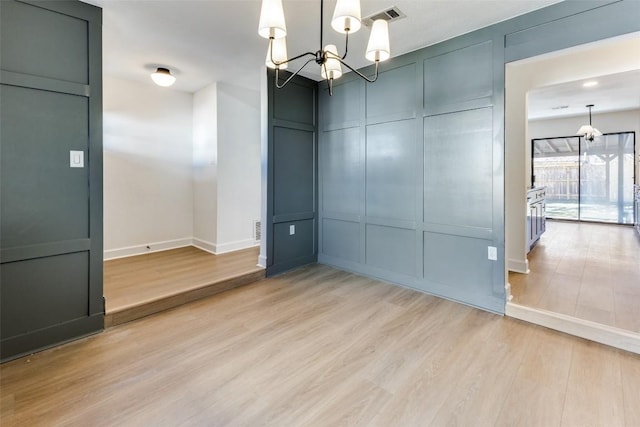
(138, 286)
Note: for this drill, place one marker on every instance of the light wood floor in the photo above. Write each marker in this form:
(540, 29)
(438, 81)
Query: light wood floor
(589, 271)
(141, 285)
(321, 347)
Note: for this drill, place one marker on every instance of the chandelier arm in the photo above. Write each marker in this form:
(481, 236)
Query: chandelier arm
(291, 76)
(289, 59)
(346, 45)
(370, 80)
(294, 58)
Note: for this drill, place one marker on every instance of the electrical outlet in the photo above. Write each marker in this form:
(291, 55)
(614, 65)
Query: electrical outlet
(292, 230)
(492, 253)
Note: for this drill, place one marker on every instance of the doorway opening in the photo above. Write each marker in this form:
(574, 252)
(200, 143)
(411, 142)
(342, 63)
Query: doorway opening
(582, 275)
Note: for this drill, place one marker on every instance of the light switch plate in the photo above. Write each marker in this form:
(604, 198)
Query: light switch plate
(76, 159)
(492, 253)
(292, 230)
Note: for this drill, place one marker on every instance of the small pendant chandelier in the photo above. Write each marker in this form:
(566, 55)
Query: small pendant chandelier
(346, 20)
(588, 131)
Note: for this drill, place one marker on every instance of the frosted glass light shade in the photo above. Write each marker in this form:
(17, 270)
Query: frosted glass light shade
(333, 67)
(378, 46)
(346, 16)
(588, 131)
(272, 20)
(162, 77)
(279, 47)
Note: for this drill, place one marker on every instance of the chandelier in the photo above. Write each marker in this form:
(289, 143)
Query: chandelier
(588, 131)
(346, 20)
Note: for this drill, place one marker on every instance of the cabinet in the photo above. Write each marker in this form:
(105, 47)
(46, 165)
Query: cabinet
(536, 215)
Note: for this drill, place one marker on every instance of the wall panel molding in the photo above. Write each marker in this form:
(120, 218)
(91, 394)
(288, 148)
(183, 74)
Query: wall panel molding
(292, 175)
(462, 79)
(52, 217)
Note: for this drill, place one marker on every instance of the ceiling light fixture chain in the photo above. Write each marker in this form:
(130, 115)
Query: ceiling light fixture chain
(346, 20)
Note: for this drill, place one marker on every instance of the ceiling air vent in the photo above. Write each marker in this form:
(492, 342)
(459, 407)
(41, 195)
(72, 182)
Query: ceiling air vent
(390, 14)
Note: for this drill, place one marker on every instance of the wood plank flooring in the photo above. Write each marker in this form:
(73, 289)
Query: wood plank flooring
(137, 286)
(322, 347)
(589, 271)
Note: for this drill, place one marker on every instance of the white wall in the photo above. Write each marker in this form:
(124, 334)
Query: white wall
(180, 168)
(226, 167)
(239, 183)
(523, 76)
(148, 192)
(205, 167)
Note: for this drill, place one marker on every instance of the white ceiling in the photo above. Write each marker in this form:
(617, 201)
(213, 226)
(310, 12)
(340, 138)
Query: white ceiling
(216, 40)
(614, 92)
(613, 63)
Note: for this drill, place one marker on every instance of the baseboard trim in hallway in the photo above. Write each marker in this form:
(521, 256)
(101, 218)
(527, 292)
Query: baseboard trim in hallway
(603, 334)
(166, 302)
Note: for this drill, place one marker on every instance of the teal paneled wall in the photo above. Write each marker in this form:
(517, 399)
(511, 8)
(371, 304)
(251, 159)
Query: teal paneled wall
(391, 170)
(419, 200)
(411, 184)
(35, 205)
(393, 96)
(342, 170)
(458, 158)
(459, 80)
(291, 229)
(390, 248)
(51, 213)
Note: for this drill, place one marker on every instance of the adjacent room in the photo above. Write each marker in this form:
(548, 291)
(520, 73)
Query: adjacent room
(581, 249)
(182, 191)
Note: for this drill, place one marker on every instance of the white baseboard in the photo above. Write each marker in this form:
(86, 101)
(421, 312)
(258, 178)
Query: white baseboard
(262, 261)
(146, 248)
(603, 334)
(223, 248)
(204, 245)
(518, 266)
(507, 290)
(179, 243)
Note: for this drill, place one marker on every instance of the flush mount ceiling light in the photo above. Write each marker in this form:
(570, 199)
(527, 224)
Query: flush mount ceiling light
(162, 77)
(346, 20)
(588, 131)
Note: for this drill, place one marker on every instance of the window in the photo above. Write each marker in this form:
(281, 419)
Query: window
(586, 180)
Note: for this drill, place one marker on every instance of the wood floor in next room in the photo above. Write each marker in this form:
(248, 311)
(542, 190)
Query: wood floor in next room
(137, 286)
(321, 347)
(586, 270)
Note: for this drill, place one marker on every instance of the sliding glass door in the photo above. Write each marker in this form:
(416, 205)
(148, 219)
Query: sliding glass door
(556, 165)
(587, 180)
